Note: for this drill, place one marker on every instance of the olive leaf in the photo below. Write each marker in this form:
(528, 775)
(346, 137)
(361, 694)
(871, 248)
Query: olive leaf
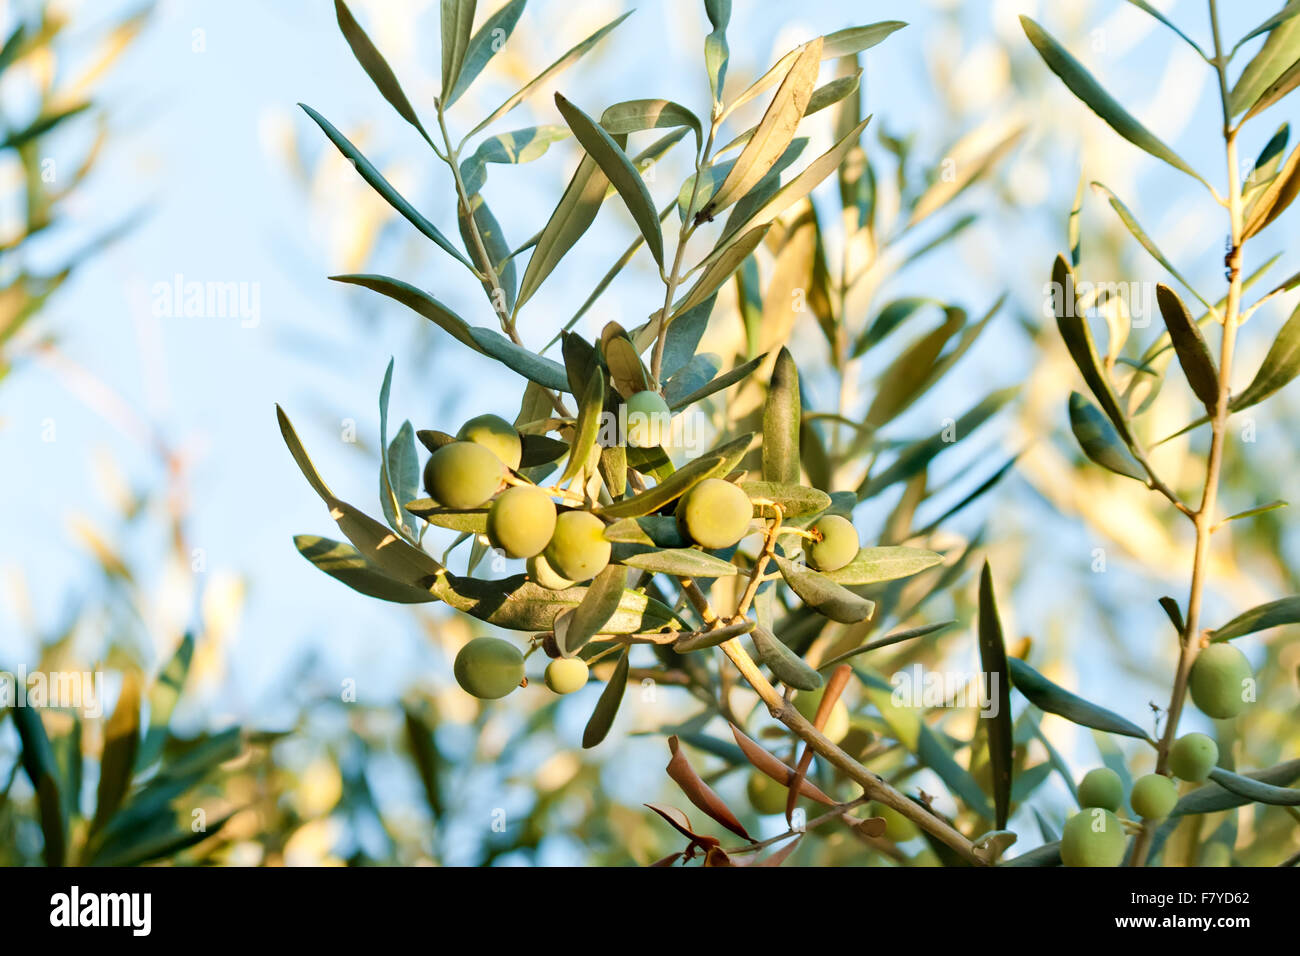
(632, 116)
(1215, 797)
(796, 501)
(573, 215)
(598, 606)
(1255, 790)
(1144, 240)
(874, 565)
(997, 693)
(785, 665)
(1280, 50)
(587, 428)
(37, 757)
(345, 563)
(1041, 692)
(535, 368)
(518, 604)
(1281, 364)
(793, 191)
(618, 169)
(566, 60)
(382, 186)
(717, 462)
(772, 766)
(1072, 321)
(1189, 345)
(817, 590)
(1273, 614)
(376, 67)
(781, 419)
(457, 23)
(418, 301)
(658, 531)
(483, 45)
(1274, 198)
(512, 148)
(1099, 440)
(725, 380)
(775, 131)
(602, 718)
(163, 695)
(721, 269)
(700, 793)
(121, 744)
(1081, 83)
(687, 562)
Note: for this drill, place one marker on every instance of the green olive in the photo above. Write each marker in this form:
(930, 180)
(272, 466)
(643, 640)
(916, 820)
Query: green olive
(1101, 787)
(649, 420)
(1218, 679)
(564, 675)
(488, 668)
(836, 543)
(521, 520)
(462, 474)
(496, 435)
(1193, 756)
(837, 724)
(1093, 837)
(715, 513)
(766, 795)
(1153, 796)
(578, 549)
(541, 573)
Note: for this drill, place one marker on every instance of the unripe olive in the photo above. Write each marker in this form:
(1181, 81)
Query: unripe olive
(715, 513)
(1093, 837)
(462, 474)
(1218, 678)
(837, 723)
(541, 572)
(496, 435)
(488, 667)
(838, 544)
(521, 521)
(1153, 796)
(567, 674)
(649, 420)
(766, 795)
(1101, 787)
(1193, 756)
(578, 549)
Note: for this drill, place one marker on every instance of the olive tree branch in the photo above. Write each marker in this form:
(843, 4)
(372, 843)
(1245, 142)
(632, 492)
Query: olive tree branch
(1203, 518)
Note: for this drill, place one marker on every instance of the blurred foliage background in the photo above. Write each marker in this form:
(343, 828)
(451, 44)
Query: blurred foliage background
(317, 728)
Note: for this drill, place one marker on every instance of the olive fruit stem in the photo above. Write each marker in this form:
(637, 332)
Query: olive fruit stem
(760, 565)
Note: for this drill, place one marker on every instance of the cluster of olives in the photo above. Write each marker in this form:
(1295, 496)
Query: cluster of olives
(1095, 836)
(566, 546)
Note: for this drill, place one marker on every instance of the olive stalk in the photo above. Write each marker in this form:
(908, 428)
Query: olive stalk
(1203, 517)
(496, 295)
